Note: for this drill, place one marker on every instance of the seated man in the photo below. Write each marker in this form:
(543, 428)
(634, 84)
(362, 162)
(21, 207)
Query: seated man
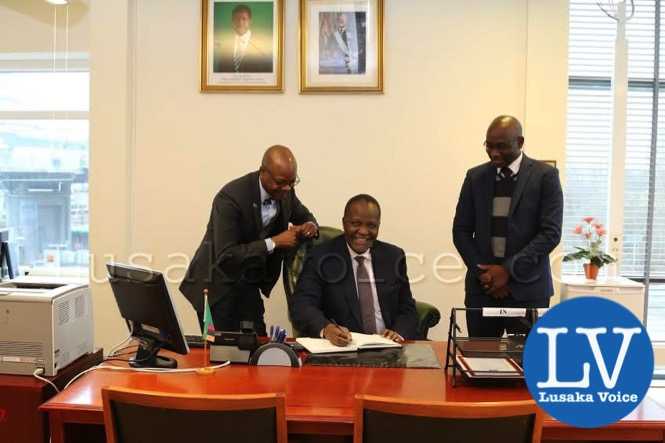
(355, 283)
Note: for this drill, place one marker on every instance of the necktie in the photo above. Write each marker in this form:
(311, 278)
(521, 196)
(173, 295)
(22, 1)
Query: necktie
(238, 55)
(237, 58)
(506, 172)
(365, 297)
(268, 210)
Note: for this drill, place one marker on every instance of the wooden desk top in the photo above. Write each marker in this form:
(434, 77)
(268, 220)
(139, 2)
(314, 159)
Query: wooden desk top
(317, 393)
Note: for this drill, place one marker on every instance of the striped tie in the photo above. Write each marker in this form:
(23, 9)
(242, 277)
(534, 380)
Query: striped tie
(237, 58)
(365, 297)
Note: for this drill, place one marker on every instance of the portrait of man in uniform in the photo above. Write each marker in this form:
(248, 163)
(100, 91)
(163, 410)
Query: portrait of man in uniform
(342, 42)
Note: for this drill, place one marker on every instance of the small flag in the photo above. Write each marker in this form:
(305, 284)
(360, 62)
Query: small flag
(208, 325)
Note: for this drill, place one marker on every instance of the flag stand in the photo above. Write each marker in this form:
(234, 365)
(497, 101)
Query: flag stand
(207, 320)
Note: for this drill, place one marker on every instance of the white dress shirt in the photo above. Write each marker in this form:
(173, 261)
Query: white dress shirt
(514, 166)
(268, 212)
(241, 43)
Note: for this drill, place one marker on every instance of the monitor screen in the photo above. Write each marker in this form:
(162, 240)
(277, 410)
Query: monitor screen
(145, 303)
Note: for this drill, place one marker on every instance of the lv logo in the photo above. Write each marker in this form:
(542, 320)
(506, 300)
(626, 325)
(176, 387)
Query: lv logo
(592, 337)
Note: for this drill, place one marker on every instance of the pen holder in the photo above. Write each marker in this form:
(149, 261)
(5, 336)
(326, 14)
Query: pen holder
(275, 354)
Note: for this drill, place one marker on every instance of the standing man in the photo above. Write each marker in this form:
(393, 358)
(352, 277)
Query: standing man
(248, 233)
(508, 220)
(355, 282)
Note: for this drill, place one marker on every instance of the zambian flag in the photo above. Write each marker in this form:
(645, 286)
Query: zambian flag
(208, 325)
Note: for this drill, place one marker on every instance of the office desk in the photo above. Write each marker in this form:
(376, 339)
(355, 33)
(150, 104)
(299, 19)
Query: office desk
(21, 396)
(319, 400)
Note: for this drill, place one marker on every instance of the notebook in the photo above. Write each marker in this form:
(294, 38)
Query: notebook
(358, 343)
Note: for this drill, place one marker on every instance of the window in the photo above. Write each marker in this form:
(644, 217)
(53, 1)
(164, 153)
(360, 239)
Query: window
(44, 168)
(589, 141)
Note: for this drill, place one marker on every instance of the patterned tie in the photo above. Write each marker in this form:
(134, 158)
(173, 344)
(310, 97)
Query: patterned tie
(506, 172)
(237, 58)
(365, 297)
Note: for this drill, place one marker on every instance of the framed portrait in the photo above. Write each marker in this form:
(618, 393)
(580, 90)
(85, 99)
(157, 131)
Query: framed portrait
(242, 45)
(341, 46)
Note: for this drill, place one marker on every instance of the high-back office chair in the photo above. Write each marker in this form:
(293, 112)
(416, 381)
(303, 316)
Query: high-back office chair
(387, 420)
(428, 315)
(134, 416)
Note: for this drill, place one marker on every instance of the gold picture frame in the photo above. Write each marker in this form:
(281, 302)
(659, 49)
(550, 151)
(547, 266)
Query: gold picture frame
(242, 45)
(550, 162)
(341, 46)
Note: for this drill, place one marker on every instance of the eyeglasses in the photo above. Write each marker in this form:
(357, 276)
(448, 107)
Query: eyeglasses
(283, 183)
(501, 146)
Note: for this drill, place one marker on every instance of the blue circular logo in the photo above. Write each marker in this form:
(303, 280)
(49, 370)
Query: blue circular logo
(588, 362)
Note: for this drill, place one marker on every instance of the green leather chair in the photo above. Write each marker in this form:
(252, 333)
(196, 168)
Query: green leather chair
(428, 315)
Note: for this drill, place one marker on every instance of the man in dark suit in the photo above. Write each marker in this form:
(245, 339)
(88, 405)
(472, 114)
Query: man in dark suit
(242, 50)
(508, 220)
(355, 283)
(245, 241)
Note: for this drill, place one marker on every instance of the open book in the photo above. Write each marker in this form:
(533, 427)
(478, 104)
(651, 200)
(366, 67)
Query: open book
(358, 342)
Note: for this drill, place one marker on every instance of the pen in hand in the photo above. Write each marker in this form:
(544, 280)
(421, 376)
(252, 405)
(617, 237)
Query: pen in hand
(336, 334)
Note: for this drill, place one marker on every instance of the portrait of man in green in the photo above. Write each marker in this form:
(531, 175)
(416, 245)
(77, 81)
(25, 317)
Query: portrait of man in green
(243, 35)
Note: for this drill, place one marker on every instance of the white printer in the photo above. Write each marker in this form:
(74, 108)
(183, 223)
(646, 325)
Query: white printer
(44, 323)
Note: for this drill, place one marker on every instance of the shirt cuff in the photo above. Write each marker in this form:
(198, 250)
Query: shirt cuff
(270, 245)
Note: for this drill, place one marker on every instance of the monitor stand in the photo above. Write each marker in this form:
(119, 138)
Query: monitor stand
(146, 356)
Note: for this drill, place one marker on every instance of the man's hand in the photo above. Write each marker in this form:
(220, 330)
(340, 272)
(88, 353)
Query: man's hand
(306, 230)
(394, 336)
(500, 293)
(485, 279)
(493, 277)
(286, 239)
(337, 335)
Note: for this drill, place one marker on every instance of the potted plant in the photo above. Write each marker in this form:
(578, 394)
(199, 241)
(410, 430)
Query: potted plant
(593, 233)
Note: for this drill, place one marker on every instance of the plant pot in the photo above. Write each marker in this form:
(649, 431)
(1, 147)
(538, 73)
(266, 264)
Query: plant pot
(591, 271)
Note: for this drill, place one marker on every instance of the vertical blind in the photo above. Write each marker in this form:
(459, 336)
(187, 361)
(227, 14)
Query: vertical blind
(588, 145)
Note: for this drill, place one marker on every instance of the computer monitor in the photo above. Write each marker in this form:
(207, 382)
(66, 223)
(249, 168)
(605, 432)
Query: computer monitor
(145, 303)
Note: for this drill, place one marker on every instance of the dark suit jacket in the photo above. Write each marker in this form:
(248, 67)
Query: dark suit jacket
(534, 227)
(326, 290)
(233, 253)
(256, 60)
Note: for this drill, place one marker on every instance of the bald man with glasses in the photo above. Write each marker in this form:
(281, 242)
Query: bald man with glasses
(254, 220)
(508, 220)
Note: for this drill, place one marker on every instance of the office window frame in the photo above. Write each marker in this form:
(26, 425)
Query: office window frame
(640, 80)
(46, 63)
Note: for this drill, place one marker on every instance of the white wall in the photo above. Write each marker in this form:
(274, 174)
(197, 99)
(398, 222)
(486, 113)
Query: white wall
(160, 149)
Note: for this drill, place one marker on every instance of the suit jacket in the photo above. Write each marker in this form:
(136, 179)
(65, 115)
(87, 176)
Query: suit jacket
(326, 290)
(534, 227)
(233, 255)
(257, 58)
